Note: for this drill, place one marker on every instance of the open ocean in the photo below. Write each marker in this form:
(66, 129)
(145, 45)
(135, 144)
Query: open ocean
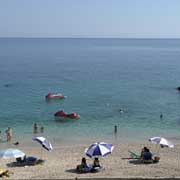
(99, 77)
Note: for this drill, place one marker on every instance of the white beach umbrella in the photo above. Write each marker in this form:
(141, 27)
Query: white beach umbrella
(44, 142)
(163, 142)
(11, 153)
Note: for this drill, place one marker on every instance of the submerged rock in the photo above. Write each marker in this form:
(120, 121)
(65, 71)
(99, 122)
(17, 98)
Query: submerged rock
(7, 85)
(178, 88)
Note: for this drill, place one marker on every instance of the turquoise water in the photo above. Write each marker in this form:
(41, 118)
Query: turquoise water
(99, 77)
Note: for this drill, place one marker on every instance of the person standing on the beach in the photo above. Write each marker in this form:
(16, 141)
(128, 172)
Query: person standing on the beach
(0, 136)
(35, 128)
(8, 134)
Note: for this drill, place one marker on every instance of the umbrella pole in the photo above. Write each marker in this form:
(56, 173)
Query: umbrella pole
(158, 148)
(41, 154)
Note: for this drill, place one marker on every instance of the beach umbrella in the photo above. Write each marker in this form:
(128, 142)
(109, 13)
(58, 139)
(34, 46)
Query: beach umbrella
(11, 153)
(163, 142)
(99, 149)
(44, 142)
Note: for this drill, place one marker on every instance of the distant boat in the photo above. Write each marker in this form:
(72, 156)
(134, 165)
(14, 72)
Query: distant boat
(54, 96)
(61, 115)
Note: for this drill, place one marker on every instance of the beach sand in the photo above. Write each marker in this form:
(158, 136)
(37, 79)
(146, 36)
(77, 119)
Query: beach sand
(62, 161)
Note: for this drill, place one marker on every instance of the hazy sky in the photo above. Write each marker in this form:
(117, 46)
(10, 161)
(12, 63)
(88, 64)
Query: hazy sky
(90, 18)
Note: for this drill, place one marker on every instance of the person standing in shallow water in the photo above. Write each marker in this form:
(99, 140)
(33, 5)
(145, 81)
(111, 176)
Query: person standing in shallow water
(161, 116)
(35, 128)
(8, 134)
(115, 129)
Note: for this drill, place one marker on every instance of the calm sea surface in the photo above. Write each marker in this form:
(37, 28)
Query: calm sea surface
(99, 77)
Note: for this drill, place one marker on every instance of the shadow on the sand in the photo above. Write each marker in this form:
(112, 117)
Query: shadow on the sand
(12, 164)
(136, 162)
(26, 163)
(72, 171)
(140, 162)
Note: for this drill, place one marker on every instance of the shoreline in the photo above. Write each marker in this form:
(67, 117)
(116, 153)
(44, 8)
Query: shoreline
(113, 138)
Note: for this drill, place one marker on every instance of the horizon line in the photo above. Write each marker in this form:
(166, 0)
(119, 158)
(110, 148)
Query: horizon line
(13, 37)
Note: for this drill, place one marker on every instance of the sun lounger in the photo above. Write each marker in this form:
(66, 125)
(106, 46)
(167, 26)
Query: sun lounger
(134, 155)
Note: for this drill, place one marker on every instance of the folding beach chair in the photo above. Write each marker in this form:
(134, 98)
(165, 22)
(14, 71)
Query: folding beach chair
(134, 154)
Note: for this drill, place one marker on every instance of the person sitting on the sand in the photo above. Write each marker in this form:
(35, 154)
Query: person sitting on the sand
(83, 164)
(147, 155)
(144, 149)
(96, 163)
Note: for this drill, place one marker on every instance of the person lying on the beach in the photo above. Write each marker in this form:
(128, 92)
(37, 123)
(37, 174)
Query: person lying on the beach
(27, 161)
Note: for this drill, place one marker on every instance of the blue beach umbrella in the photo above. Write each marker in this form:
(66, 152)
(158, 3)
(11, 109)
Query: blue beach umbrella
(99, 149)
(11, 153)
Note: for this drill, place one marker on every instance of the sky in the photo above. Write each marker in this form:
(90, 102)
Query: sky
(90, 18)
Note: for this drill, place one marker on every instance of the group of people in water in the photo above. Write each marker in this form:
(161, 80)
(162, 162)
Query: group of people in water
(36, 129)
(121, 111)
(8, 132)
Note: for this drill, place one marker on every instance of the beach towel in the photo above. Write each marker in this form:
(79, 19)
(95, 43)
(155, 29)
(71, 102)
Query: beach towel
(97, 169)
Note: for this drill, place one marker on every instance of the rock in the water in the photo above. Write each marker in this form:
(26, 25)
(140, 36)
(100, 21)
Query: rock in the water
(178, 88)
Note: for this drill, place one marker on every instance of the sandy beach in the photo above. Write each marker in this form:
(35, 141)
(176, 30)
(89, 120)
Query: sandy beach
(62, 161)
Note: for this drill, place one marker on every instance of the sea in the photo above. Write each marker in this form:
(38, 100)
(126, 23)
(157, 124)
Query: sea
(109, 82)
